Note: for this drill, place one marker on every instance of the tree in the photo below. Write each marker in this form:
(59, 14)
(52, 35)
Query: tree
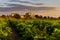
(45, 17)
(4, 16)
(36, 16)
(17, 16)
(48, 17)
(58, 17)
(27, 14)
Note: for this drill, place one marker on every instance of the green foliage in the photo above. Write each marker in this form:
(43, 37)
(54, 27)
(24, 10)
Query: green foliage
(4, 30)
(36, 29)
(31, 29)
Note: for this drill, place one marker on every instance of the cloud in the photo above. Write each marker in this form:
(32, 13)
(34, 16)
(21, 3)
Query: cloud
(19, 5)
(5, 5)
(25, 3)
(28, 1)
(34, 3)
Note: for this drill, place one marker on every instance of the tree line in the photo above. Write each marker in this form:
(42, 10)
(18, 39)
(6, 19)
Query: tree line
(27, 15)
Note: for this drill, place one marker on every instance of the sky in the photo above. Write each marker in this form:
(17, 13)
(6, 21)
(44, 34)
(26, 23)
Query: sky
(53, 3)
(35, 3)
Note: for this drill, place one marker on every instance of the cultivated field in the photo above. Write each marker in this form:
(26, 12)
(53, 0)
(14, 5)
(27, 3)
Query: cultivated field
(29, 29)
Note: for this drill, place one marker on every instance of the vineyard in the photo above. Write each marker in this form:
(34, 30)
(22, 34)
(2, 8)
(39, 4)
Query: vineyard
(29, 29)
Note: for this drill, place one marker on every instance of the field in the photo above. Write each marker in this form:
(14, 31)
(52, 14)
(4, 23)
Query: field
(29, 29)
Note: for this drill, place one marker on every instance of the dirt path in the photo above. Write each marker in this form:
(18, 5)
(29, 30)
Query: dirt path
(14, 35)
